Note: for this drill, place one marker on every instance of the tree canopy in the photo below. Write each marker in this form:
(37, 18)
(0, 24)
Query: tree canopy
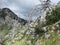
(53, 16)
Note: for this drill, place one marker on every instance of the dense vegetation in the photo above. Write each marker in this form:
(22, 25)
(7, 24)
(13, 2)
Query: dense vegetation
(53, 16)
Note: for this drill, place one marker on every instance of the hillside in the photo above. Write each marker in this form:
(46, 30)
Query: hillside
(6, 12)
(9, 23)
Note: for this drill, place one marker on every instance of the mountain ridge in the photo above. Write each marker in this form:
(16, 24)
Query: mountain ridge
(7, 12)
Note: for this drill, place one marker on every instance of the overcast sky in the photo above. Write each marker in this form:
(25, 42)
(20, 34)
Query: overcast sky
(20, 7)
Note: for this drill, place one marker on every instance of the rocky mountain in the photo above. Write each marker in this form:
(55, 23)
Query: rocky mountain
(10, 24)
(7, 13)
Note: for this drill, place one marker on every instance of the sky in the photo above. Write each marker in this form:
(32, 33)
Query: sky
(21, 7)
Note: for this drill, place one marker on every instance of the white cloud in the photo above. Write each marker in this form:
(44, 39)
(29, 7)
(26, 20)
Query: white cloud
(55, 1)
(13, 7)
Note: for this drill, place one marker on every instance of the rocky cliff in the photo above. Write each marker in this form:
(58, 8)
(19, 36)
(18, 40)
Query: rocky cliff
(7, 13)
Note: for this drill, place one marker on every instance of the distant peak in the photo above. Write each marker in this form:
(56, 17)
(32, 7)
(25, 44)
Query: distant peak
(7, 12)
(6, 9)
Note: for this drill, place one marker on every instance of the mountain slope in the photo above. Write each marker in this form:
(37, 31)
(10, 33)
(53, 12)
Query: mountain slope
(7, 12)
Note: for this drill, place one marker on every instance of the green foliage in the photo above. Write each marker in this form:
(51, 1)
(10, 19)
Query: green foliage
(4, 30)
(39, 31)
(54, 16)
(53, 40)
(5, 27)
